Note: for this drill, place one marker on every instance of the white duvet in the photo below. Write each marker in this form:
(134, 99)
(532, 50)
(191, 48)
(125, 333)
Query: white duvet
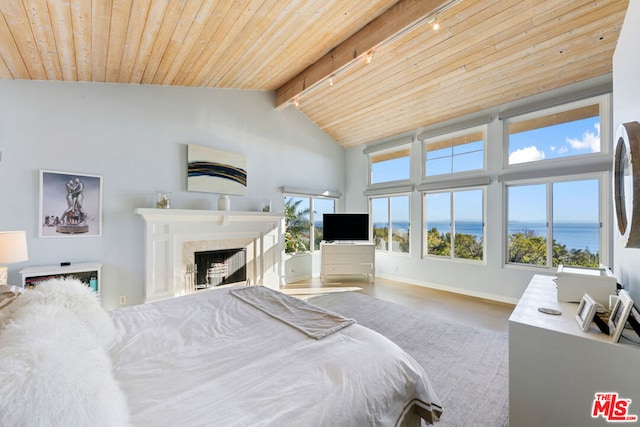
(210, 359)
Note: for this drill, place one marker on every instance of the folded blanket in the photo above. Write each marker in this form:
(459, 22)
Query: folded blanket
(313, 321)
(8, 294)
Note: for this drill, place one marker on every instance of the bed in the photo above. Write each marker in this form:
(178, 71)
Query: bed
(217, 358)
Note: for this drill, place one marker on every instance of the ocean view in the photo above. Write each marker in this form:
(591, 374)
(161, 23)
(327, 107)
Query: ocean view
(572, 235)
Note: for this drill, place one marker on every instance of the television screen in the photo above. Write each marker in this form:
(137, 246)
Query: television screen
(345, 226)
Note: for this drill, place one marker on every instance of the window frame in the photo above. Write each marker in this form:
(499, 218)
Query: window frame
(424, 141)
(405, 144)
(604, 103)
(389, 196)
(312, 227)
(452, 257)
(604, 217)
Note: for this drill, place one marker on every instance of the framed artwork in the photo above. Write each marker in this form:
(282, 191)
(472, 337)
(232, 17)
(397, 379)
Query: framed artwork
(70, 205)
(619, 315)
(216, 171)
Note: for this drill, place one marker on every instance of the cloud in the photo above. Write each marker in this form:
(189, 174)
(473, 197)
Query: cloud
(590, 141)
(527, 154)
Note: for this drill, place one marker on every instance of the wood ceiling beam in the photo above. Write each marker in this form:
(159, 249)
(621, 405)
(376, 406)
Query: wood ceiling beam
(402, 16)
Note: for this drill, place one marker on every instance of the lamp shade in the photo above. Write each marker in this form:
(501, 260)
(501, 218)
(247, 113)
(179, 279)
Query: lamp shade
(13, 247)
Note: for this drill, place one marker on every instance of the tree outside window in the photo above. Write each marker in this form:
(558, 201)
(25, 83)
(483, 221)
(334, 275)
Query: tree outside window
(297, 225)
(303, 222)
(458, 214)
(574, 231)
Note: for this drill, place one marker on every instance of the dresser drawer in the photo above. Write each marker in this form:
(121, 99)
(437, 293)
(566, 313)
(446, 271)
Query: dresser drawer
(363, 268)
(349, 249)
(345, 258)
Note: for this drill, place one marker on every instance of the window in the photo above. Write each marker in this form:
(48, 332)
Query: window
(390, 165)
(556, 209)
(458, 214)
(554, 222)
(555, 133)
(455, 153)
(303, 222)
(390, 221)
(320, 207)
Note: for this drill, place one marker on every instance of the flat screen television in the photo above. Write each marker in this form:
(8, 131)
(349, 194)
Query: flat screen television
(345, 226)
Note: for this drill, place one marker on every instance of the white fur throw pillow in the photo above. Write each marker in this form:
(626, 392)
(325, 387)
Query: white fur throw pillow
(8, 294)
(53, 372)
(78, 298)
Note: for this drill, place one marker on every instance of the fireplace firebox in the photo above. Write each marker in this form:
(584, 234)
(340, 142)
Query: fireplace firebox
(220, 267)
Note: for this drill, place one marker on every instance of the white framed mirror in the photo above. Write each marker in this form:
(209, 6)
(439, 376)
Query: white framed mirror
(626, 183)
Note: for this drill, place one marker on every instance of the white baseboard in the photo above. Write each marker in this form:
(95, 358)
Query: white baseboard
(483, 295)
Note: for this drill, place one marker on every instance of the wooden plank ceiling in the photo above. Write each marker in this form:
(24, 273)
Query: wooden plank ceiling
(362, 70)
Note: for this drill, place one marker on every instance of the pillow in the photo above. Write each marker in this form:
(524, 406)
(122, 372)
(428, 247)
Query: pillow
(54, 372)
(78, 298)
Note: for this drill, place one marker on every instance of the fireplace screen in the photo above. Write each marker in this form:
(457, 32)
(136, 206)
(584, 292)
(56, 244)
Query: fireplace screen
(220, 267)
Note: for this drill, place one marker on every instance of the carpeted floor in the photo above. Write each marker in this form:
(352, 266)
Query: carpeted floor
(468, 366)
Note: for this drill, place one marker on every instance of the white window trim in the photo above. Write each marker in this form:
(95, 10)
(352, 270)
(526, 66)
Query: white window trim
(451, 257)
(389, 190)
(308, 192)
(604, 216)
(392, 145)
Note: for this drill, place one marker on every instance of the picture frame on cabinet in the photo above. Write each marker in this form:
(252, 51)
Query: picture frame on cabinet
(586, 311)
(70, 205)
(619, 315)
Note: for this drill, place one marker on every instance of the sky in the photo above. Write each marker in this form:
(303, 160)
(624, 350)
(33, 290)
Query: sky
(568, 139)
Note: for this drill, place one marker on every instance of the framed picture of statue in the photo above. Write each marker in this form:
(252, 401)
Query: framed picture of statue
(70, 205)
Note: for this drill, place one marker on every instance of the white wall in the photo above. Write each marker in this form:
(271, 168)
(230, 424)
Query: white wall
(626, 108)
(135, 137)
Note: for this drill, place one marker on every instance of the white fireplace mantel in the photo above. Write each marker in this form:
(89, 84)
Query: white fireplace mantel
(168, 229)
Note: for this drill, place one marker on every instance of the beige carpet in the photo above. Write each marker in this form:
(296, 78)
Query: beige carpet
(468, 366)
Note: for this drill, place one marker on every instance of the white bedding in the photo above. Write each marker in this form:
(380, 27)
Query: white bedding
(212, 359)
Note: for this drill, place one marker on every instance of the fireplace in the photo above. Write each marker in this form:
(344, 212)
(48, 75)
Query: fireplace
(173, 236)
(220, 267)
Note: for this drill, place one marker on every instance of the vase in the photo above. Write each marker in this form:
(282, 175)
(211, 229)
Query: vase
(163, 199)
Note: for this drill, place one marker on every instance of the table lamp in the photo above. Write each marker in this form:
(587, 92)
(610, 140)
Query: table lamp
(13, 248)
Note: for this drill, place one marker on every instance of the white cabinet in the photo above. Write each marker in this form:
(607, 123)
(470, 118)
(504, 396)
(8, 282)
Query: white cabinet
(88, 273)
(555, 369)
(348, 259)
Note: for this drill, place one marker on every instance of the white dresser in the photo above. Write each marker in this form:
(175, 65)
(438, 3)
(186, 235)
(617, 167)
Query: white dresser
(347, 259)
(555, 369)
